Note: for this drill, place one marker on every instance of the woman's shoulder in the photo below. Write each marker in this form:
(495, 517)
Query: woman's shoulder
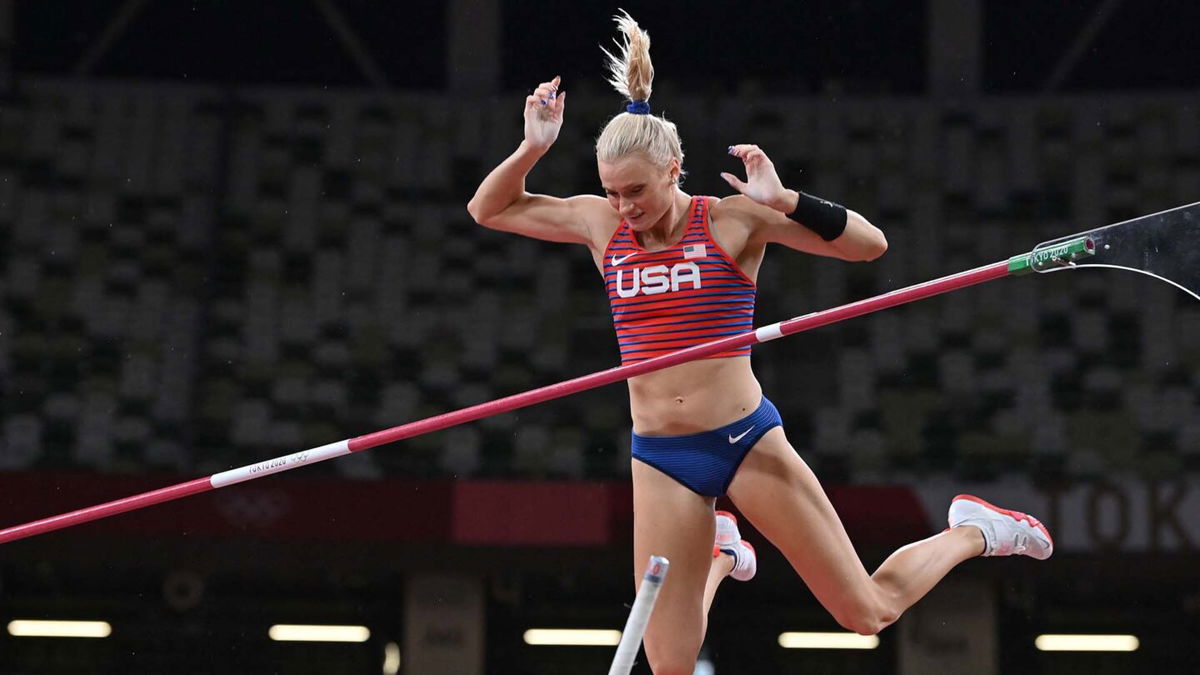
(733, 204)
(732, 211)
(598, 216)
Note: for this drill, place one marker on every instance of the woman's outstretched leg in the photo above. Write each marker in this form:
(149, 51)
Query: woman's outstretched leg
(977, 528)
(779, 494)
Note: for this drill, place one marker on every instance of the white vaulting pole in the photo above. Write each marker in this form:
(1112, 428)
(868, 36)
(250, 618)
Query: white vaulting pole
(639, 615)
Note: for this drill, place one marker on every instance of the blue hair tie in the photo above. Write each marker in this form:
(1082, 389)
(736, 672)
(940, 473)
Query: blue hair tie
(638, 108)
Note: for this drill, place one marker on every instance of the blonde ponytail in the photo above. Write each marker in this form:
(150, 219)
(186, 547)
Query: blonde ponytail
(632, 74)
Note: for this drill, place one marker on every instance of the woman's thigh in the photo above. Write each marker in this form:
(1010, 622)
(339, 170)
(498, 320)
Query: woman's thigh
(779, 494)
(670, 520)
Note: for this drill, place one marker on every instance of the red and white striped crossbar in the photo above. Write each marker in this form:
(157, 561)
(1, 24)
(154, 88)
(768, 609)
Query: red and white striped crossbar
(508, 403)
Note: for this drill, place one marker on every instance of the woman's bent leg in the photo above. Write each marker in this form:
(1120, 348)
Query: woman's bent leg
(781, 496)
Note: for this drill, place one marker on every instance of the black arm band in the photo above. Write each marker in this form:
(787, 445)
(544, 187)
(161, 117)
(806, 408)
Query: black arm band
(823, 217)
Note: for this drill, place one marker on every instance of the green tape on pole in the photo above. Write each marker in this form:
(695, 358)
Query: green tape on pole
(1019, 264)
(1062, 254)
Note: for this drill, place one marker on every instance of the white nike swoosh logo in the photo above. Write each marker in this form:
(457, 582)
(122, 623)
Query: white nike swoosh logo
(735, 439)
(617, 261)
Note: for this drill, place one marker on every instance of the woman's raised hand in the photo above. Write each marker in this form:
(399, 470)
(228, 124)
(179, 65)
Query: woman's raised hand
(544, 114)
(762, 183)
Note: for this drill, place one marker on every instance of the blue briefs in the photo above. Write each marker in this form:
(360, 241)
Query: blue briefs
(706, 462)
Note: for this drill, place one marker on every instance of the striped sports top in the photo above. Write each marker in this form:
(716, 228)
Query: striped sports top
(679, 297)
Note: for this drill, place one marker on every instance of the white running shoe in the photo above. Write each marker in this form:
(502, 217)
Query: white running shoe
(1004, 532)
(729, 541)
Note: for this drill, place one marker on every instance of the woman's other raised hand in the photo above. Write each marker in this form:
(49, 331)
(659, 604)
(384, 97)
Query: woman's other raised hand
(762, 184)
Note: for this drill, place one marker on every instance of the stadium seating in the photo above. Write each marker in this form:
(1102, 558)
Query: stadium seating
(196, 279)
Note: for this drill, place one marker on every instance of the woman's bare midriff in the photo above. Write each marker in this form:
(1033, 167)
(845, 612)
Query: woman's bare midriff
(693, 397)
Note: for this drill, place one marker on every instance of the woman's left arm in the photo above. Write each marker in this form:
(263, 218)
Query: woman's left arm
(798, 220)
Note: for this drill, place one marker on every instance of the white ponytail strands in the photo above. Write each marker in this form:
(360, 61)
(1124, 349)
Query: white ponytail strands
(632, 74)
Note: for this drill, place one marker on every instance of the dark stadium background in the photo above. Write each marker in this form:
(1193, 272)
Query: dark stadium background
(234, 230)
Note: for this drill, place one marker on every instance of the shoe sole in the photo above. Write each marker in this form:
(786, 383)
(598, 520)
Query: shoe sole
(731, 517)
(1015, 515)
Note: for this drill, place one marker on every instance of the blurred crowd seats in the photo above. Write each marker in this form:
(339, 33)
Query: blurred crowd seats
(193, 279)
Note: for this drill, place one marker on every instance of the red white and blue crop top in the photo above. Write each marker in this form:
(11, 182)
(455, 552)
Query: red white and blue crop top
(678, 297)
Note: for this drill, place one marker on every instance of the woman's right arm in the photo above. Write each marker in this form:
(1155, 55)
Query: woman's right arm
(501, 201)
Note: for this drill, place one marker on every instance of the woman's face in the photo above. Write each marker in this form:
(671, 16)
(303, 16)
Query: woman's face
(639, 190)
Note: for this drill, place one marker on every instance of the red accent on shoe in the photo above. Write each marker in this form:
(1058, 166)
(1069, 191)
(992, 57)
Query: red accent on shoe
(716, 550)
(728, 515)
(1015, 515)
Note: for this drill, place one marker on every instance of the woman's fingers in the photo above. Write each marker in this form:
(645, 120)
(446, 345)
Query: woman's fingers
(734, 182)
(749, 153)
(743, 149)
(761, 184)
(547, 100)
(547, 92)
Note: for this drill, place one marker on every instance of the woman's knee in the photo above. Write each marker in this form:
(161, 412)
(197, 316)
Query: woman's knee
(865, 616)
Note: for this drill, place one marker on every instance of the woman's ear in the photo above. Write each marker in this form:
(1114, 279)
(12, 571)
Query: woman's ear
(674, 170)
